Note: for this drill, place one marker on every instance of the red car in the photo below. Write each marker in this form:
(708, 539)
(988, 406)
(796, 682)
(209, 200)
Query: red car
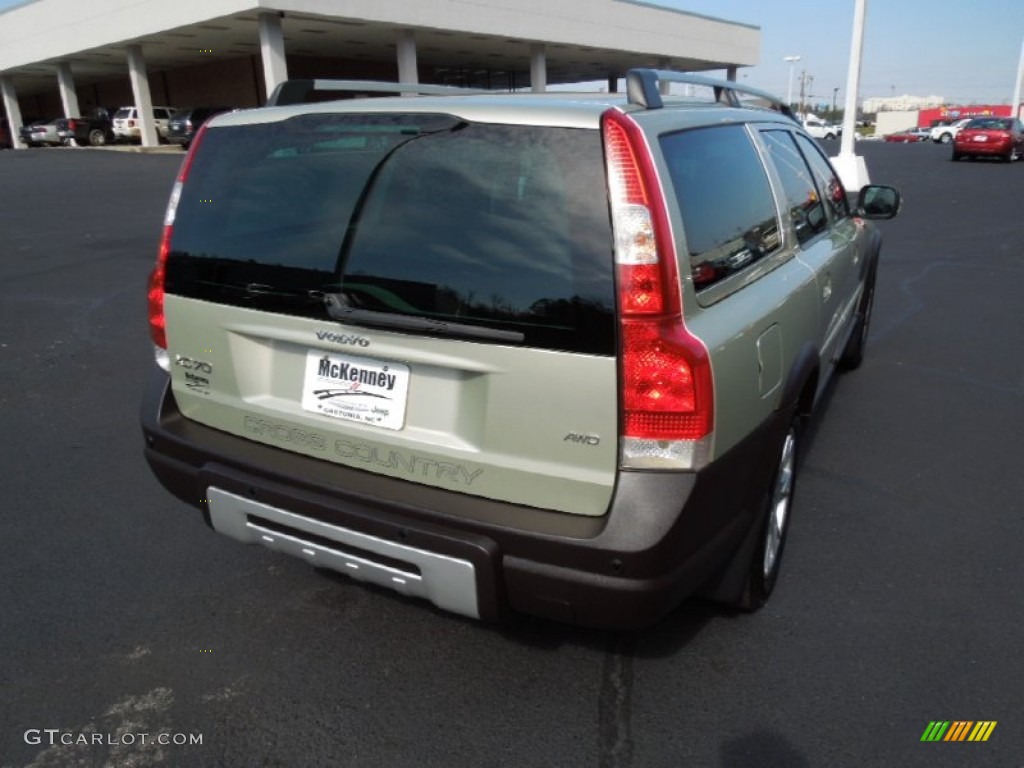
(1001, 137)
(909, 136)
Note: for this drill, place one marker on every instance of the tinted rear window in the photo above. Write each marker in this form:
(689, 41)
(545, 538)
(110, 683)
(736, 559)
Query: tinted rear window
(421, 215)
(989, 124)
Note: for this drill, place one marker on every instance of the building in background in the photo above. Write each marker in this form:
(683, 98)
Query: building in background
(903, 103)
(67, 56)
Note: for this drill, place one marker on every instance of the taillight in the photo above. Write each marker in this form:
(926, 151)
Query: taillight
(667, 391)
(131, 123)
(157, 321)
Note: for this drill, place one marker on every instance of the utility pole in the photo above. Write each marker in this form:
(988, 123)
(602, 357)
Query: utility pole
(1015, 101)
(789, 93)
(835, 92)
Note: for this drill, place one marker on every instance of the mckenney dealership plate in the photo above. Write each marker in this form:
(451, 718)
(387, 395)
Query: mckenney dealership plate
(356, 388)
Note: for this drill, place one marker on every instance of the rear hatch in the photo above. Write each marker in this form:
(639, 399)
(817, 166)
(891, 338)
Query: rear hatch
(415, 295)
(994, 131)
(179, 123)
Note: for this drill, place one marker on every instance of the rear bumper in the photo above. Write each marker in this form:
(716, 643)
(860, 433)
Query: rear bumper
(663, 537)
(983, 148)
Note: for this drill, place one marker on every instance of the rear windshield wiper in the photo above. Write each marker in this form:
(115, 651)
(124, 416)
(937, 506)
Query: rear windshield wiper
(338, 308)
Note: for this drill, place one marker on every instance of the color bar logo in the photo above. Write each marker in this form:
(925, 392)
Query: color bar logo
(958, 730)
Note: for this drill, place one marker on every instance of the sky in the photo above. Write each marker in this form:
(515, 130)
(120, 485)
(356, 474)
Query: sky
(966, 51)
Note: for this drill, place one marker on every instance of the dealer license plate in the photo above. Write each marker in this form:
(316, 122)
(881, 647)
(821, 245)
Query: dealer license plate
(356, 389)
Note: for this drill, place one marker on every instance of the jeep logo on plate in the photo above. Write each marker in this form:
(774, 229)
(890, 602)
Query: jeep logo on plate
(342, 338)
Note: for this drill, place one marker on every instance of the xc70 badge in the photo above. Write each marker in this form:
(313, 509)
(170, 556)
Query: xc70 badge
(194, 370)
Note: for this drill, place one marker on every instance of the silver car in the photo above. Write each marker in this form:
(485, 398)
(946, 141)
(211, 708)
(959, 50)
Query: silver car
(539, 353)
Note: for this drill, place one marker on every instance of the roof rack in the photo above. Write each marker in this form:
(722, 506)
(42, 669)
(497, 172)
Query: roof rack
(296, 91)
(642, 89)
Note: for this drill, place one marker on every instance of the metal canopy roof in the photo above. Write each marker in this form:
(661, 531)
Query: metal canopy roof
(443, 54)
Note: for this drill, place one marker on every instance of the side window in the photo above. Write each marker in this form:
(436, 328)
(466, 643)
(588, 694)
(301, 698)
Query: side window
(725, 200)
(829, 185)
(803, 202)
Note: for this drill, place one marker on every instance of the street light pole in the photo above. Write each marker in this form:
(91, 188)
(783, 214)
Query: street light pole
(789, 94)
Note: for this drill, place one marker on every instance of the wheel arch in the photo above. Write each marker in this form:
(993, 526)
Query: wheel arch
(801, 386)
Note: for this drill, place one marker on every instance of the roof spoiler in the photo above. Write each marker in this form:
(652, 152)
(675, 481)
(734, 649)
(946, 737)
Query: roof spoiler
(297, 91)
(642, 89)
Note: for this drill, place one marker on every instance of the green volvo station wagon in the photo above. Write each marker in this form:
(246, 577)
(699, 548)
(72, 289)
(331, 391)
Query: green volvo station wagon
(547, 354)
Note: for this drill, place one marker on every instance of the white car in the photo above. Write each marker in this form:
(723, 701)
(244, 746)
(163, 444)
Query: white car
(128, 127)
(944, 134)
(820, 129)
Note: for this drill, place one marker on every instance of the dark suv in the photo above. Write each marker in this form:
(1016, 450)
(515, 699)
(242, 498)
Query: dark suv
(546, 353)
(184, 123)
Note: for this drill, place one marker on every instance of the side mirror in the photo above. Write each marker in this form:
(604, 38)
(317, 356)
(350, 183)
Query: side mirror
(876, 201)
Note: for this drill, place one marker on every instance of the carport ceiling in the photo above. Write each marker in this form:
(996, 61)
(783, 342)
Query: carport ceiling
(437, 50)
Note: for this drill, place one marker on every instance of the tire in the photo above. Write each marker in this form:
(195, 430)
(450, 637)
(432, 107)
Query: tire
(97, 137)
(767, 559)
(1012, 155)
(945, 138)
(956, 156)
(853, 353)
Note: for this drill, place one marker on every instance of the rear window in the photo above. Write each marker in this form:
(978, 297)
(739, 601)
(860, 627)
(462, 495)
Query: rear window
(414, 214)
(989, 124)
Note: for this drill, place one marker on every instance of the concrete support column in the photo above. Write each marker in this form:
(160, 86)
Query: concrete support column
(613, 83)
(730, 73)
(664, 86)
(66, 83)
(408, 64)
(143, 97)
(538, 68)
(13, 111)
(275, 67)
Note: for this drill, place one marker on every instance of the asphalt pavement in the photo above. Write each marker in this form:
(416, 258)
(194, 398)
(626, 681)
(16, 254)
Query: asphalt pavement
(126, 622)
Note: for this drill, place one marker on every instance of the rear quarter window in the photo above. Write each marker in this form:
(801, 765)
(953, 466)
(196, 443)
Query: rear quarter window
(725, 201)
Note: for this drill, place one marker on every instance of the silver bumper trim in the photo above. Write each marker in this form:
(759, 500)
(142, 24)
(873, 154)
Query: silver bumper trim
(447, 582)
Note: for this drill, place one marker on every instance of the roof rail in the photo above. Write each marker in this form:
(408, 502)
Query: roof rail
(296, 91)
(642, 89)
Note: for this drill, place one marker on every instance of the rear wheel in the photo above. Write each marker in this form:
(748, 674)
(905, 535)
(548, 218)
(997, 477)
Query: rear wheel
(764, 569)
(946, 138)
(97, 138)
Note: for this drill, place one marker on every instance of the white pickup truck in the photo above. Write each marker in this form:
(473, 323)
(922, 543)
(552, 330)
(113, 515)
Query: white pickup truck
(820, 129)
